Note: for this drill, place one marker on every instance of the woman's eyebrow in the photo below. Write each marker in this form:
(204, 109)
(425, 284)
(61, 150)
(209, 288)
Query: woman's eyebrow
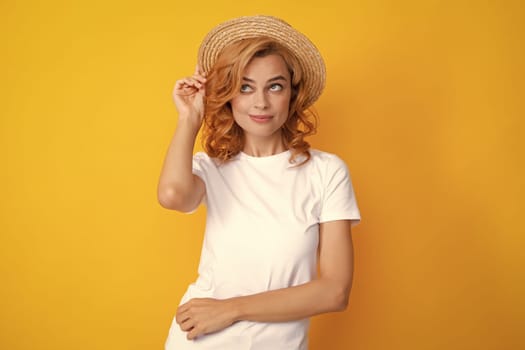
(279, 77)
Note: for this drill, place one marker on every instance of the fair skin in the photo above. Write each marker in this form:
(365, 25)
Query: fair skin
(262, 105)
(260, 109)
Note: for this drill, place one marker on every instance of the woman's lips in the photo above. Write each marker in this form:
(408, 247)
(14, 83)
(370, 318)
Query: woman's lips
(260, 118)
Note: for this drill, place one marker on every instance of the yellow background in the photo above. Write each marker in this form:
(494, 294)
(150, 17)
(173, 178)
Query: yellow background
(424, 101)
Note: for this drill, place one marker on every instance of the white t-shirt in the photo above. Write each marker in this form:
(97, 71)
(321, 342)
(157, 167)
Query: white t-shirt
(262, 233)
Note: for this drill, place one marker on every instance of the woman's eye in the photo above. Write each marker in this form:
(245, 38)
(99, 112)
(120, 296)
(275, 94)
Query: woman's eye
(246, 88)
(276, 87)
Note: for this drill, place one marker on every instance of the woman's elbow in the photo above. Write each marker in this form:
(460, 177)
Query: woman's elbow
(170, 198)
(340, 298)
(167, 197)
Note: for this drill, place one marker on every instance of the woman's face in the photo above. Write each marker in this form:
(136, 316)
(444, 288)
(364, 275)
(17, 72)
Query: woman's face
(261, 107)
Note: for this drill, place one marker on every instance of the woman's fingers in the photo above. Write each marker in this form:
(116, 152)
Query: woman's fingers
(200, 78)
(193, 82)
(201, 316)
(186, 325)
(190, 82)
(182, 314)
(192, 334)
(196, 82)
(199, 72)
(183, 319)
(189, 93)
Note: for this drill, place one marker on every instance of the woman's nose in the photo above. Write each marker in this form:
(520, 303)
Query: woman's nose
(261, 100)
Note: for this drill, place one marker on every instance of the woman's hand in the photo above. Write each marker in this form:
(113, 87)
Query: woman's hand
(188, 95)
(201, 316)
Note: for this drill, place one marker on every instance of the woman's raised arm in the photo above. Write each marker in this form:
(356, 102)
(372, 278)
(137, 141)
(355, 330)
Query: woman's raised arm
(178, 188)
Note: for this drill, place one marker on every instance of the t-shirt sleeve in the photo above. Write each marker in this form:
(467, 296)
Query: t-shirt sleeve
(198, 168)
(198, 165)
(339, 202)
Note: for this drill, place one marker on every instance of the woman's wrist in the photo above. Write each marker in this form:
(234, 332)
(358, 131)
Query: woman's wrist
(189, 124)
(236, 309)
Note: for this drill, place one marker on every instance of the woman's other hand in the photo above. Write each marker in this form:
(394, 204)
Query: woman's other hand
(188, 95)
(201, 316)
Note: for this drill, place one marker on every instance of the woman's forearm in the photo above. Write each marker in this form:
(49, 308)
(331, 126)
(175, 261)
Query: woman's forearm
(328, 293)
(287, 304)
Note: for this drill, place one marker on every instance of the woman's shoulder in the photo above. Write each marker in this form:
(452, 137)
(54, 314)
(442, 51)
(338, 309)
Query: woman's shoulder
(204, 161)
(327, 164)
(323, 157)
(203, 157)
(200, 155)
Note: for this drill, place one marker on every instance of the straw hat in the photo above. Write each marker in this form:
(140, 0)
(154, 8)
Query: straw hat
(267, 26)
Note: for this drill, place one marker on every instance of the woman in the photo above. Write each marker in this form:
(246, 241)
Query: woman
(275, 207)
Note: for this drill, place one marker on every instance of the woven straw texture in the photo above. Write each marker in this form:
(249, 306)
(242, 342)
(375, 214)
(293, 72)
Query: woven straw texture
(256, 26)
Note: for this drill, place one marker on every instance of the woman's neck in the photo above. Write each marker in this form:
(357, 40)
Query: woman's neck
(263, 148)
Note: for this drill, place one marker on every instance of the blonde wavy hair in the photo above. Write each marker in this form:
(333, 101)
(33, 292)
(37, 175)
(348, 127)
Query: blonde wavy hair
(222, 137)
